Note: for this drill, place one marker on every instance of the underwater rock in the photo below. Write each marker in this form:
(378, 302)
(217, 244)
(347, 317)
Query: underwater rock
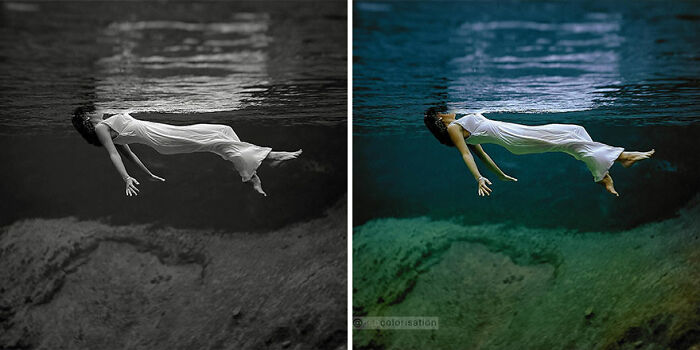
(496, 286)
(589, 313)
(88, 285)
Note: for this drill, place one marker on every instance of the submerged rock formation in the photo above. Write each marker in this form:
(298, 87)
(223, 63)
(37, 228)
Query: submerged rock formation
(88, 285)
(509, 287)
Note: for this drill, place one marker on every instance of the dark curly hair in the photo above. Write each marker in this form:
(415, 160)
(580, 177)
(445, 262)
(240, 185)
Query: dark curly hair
(436, 126)
(84, 126)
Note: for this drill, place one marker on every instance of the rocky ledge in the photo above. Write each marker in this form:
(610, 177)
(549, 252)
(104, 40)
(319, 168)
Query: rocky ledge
(69, 284)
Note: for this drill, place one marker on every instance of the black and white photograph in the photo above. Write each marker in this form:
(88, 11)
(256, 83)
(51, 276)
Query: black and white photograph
(174, 175)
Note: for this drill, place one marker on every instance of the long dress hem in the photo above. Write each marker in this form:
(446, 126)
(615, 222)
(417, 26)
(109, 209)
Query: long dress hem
(523, 139)
(172, 139)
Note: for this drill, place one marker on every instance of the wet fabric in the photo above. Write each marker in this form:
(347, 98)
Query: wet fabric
(173, 139)
(523, 139)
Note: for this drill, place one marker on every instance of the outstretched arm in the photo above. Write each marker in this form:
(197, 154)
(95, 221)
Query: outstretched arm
(102, 132)
(490, 163)
(455, 132)
(126, 151)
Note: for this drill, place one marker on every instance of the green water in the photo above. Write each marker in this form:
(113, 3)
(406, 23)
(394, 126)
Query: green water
(513, 287)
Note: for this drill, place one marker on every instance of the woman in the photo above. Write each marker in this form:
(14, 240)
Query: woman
(116, 132)
(522, 139)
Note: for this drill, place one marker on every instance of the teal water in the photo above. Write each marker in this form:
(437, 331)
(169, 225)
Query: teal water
(551, 261)
(626, 71)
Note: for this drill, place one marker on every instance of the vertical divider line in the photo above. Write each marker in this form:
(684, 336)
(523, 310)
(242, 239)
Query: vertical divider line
(349, 160)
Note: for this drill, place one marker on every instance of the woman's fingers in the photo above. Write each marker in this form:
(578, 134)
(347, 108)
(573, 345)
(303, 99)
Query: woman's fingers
(157, 178)
(131, 189)
(507, 178)
(484, 190)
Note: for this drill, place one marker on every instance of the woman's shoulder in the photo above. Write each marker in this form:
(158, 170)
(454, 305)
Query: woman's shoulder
(120, 115)
(469, 121)
(463, 117)
(117, 121)
(475, 117)
(125, 114)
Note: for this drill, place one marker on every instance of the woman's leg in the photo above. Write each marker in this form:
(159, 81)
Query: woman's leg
(276, 158)
(629, 158)
(257, 184)
(607, 182)
(626, 159)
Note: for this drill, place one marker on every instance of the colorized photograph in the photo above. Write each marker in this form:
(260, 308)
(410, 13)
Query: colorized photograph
(525, 175)
(174, 175)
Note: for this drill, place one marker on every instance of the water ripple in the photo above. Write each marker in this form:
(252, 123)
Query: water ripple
(286, 58)
(600, 60)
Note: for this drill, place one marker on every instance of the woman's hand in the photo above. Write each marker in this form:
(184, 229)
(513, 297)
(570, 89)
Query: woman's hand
(157, 178)
(505, 177)
(483, 189)
(131, 189)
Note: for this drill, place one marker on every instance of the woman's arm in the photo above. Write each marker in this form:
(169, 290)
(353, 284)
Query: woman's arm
(457, 138)
(126, 151)
(490, 163)
(102, 132)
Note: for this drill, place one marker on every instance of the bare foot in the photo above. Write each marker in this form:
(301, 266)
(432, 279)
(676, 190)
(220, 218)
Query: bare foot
(607, 182)
(257, 184)
(278, 157)
(629, 158)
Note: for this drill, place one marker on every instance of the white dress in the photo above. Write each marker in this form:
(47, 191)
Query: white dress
(522, 139)
(171, 139)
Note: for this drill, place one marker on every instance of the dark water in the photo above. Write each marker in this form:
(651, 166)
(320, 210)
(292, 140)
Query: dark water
(626, 71)
(274, 71)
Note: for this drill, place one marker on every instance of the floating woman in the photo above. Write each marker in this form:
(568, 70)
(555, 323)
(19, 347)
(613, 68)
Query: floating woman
(471, 130)
(116, 132)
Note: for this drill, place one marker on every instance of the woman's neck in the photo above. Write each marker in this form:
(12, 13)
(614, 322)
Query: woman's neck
(447, 118)
(97, 118)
